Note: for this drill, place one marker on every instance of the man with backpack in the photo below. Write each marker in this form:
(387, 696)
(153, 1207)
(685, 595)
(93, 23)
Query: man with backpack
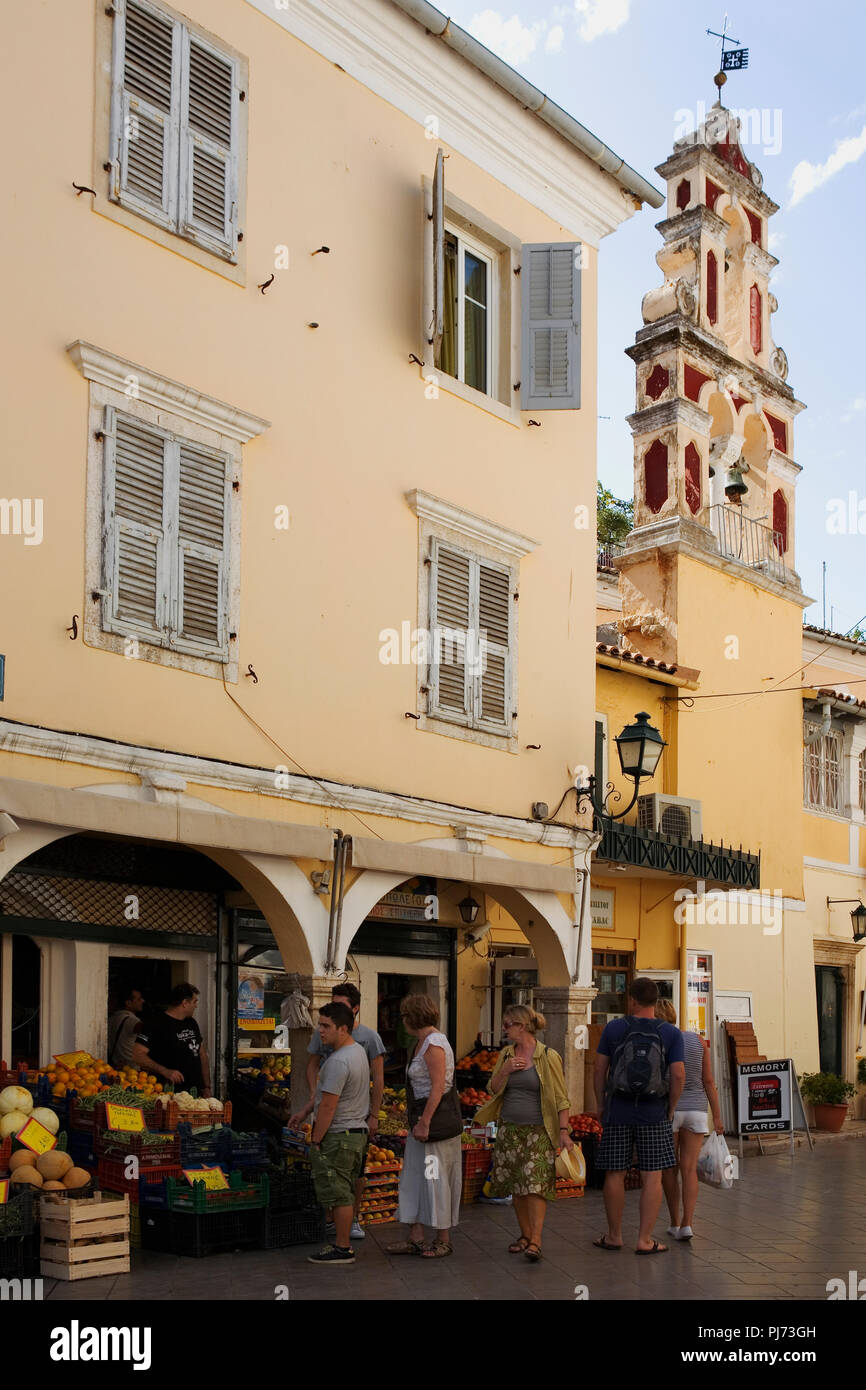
(640, 1072)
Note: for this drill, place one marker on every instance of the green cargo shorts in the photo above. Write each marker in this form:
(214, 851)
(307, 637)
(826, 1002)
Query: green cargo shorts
(337, 1164)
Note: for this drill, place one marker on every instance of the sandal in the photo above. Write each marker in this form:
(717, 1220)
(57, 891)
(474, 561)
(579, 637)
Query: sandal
(437, 1250)
(517, 1247)
(604, 1244)
(406, 1247)
(532, 1252)
(655, 1249)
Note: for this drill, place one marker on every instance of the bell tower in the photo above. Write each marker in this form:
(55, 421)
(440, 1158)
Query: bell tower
(714, 470)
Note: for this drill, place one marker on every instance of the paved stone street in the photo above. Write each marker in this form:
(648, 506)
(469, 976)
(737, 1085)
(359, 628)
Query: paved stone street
(784, 1230)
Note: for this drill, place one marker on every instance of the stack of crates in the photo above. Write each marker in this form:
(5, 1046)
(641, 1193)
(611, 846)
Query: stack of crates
(199, 1222)
(19, 1242)
(130, 1162)
(294, 1216)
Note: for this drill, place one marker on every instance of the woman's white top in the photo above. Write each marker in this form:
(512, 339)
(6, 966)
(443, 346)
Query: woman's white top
(419, 1073)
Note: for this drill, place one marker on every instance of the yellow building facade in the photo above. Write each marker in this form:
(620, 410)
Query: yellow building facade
(300, 516)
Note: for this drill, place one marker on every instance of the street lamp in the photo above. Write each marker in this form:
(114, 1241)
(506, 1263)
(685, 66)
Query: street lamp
(468, 909)
(640, 745)
(858, 916)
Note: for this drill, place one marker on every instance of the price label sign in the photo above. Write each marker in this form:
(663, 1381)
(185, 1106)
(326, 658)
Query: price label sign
(36, 1137)
(214, 1179)
(72, 1059)
(4, 1191)
(257, 1025)
(126, 1117)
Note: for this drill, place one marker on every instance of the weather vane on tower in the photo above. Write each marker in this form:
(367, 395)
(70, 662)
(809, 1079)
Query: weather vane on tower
(733, 59)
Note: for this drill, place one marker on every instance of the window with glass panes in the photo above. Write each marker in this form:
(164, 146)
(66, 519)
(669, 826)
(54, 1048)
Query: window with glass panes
(467, 332)
(612, 973)
(823, 774)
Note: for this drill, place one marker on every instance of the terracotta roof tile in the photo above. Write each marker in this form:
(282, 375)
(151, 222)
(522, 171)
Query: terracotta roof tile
(605, 649)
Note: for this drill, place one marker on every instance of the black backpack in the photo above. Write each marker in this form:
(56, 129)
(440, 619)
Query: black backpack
(639, 1069)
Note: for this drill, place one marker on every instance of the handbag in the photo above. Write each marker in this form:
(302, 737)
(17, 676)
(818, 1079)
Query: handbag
(447, 1119)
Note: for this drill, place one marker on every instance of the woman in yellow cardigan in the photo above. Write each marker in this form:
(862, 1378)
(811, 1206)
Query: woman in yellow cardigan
(530, 1102)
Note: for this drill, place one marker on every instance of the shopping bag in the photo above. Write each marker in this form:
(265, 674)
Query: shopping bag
(715, 1165)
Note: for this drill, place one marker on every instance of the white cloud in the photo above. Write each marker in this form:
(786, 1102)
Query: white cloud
(599, 17)
(775, 240)
(553, 42)
(509, 38)
(854, 408)
(851, 116)
(807, 177)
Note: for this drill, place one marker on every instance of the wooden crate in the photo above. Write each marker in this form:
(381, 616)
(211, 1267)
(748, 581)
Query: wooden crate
(85, 1239)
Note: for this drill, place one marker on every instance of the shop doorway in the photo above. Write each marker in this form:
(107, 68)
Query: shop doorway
(153, 977)
(391, 988)
(830, 991)
(612, 973)
(25, 1001)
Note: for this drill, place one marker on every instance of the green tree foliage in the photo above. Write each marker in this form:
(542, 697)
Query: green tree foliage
(615, 516)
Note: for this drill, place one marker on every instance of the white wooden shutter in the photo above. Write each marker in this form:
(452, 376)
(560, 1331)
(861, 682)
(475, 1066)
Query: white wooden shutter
(438, 326)
(146, 111)
(550, 340)
(450, 609)
(209, 141)
(202, 573)
(493, 681)
(136, 560)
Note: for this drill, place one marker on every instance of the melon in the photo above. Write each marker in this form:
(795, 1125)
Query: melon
(52, 1186)
(29, 1175)
(47, 1118)
(75, 1177)
(54, 1164)
(11, 1122)
(15, 1098)
(22, 1158)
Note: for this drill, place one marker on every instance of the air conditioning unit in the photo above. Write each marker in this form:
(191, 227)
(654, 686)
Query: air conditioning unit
(670, 815)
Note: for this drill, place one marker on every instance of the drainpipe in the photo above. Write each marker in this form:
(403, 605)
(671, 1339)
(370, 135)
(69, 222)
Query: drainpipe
(822, 730)
(342, 844)
(439, 26)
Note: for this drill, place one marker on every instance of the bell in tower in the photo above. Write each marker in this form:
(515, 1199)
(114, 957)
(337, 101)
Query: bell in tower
(714, 472)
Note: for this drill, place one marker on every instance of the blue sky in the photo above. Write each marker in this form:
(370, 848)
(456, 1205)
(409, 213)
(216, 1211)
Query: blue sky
(626, 68)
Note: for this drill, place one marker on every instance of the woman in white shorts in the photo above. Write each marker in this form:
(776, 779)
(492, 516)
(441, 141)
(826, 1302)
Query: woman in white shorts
(689, 1126)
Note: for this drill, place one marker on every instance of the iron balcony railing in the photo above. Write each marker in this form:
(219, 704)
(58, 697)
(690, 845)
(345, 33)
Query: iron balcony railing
(750, 542)
(718, 865)
(607, 553)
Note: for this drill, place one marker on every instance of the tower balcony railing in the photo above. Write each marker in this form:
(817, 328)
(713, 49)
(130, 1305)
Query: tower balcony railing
(749, 542)
(607, 552)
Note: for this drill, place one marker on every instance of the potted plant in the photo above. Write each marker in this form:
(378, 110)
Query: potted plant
(829, 1095)
(860, 1102)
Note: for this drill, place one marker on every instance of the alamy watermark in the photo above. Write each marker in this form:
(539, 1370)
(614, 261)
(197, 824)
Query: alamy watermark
(443, 647)
(758, 126)
(729, 909)
(22, 516)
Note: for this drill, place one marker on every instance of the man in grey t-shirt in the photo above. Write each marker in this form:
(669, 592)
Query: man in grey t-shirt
(339, 1138)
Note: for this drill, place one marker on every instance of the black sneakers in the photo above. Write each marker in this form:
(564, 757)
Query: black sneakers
(332, 1255)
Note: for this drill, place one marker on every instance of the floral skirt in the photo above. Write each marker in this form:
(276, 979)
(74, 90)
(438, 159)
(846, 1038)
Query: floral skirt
(523, 1162)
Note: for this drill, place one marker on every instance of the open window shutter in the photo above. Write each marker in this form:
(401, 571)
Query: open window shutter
(134, 531)
(450, 607)
(598, 769)
(550, 340)
(202, 599)
(493, 681)
(145, 112)
(209, 141)
(438, 325)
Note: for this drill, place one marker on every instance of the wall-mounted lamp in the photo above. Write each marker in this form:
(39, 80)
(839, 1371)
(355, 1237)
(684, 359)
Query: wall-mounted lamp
(858, 916)
(640, 745)
(468, 910)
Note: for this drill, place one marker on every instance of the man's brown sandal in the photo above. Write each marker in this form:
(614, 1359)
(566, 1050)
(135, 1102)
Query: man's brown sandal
(517, 1247)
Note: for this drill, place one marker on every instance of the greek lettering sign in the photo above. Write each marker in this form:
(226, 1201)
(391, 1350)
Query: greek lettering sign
(601, 907)
(406, 907)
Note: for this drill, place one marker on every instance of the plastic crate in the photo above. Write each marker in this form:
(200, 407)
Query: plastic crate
(476, 1160)
(291, 1189)
(5, 1153)
(152, 1149)
(186, 1197)
(169, 1116)
(284, 1228)
(198, 1147)
(81, 1148)
(111, 1175)
(472, 1188)
(247, 1150)
(155, 1226)
(18, 1215)
(207, 1233)
(19, 1256)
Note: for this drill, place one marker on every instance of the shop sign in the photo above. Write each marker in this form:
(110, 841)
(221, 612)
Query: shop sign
(257, 1025)
(36, 1137)
(4, 1191)
(601, 907)
(699, 980)
(72, 1059)
(125, 1117)
(406, 907)
(765, 1096)
(213, 1178)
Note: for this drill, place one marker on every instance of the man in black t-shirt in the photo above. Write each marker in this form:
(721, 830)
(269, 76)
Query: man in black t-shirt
(171, 1046)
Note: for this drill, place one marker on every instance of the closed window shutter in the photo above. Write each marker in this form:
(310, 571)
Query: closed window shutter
(135, 552)
(493, 681)
(599, 755)
(451, 583)
(550, 340)
(145, 114)
(438, 325)
(202, 597)
(208, 165)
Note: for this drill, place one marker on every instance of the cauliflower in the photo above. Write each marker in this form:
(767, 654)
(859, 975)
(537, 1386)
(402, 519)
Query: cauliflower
(214, 1104)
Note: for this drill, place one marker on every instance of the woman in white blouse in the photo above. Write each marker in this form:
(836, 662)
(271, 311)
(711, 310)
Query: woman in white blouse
(431, 1178)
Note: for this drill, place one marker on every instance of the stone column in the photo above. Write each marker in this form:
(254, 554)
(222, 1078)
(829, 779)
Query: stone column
(567, 1011)
(317, 989)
